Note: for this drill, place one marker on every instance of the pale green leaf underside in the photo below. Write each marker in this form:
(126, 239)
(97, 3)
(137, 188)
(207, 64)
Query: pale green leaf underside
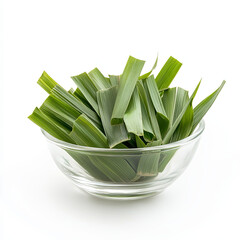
(133, 115)
(115, 133)
(126, 87)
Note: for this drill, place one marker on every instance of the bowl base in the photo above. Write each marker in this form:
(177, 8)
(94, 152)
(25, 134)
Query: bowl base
(123, 197)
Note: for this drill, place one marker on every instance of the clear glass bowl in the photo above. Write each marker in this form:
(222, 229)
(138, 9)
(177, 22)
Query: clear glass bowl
(124, 173)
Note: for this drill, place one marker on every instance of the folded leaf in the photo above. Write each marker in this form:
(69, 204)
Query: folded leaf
(115, 133)
(126, 87)
(167, 73)
(201, 109)
(133, 115)
(88, 89)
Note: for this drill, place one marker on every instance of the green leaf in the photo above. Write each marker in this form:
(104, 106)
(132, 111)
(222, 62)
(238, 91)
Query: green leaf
(114, 79)
(85, 162)
(77, 104)
(46, 82)
(167, 73)
(133, 115)
(115, 133)
(140, 143)
(148, 164)
(99, 80)
(158, 105)
(179, 117)
(147, 127)
(146, 75)
(86, 133)
(201, 109)
(116, 169)
(154, 143)
(169, 102)
(59, 110)
(46, 123)
(184, 128)
(145, 95)
(165, 158)
(127, 84)
(88, 89)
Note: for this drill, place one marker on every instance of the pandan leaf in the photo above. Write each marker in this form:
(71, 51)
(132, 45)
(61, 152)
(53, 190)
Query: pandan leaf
(46, 82)
(85, 162)
(99, 80)
(114, 79)
(179, 118)
(165, 158)
(116, 169)
(148, 164)
(133, 115)
(126, 87)
(146, 75)
(59, 110)
(167, 73)
(201, 109)
(158, 105)
(78, 105)
(140, 143)
(147, 127)
(184, 128)
(86, 133)
(115, 133)
(46, 123)
(88, 89)
(145, 95)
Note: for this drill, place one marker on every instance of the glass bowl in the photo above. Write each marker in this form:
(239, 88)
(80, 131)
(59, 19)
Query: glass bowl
(124, 173)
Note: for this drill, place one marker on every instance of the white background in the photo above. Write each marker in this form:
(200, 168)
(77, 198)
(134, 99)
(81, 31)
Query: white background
(66, 38)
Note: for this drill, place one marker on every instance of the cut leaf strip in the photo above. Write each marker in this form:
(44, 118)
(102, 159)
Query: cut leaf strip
(133, 115)
(201, 109)
(127, 84)
(115, 133)
(88, 89)
(167, 73)
(86, 133)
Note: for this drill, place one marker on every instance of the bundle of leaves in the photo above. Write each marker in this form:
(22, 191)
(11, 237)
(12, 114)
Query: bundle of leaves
(121, 111)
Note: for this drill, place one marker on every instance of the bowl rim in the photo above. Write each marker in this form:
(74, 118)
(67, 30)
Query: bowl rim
(196, 134)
